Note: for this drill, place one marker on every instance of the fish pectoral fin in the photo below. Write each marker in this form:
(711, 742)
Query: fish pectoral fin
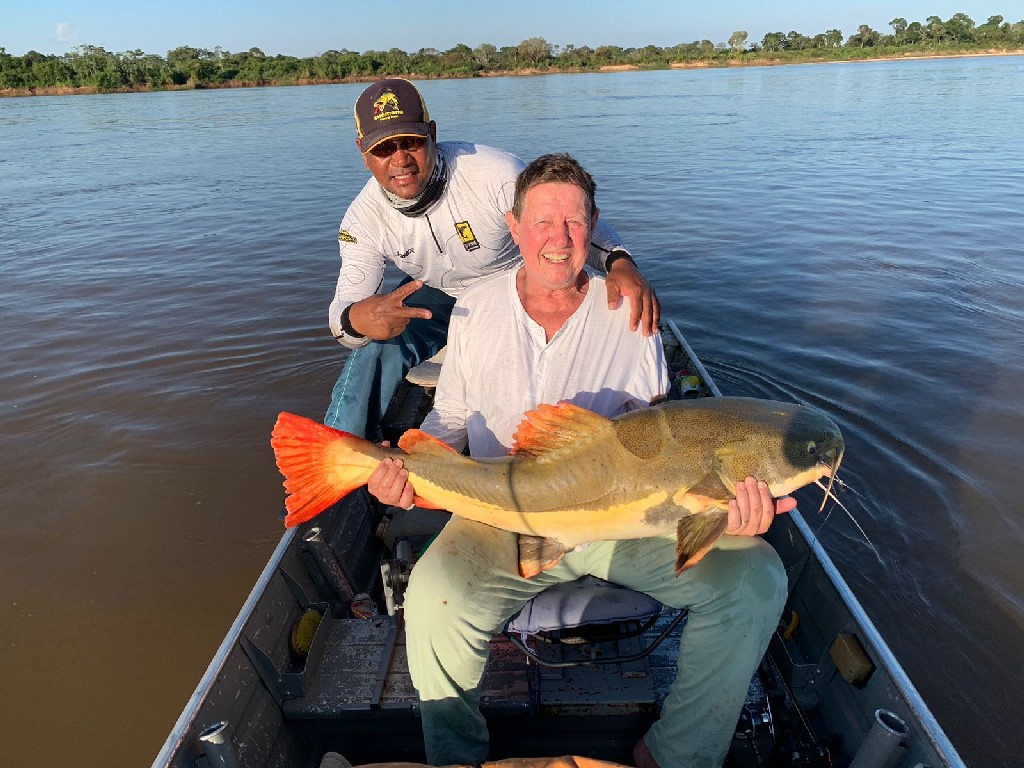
(732, 465)
(537, 553)
(551, 428)
(418, 441)
(695, 535)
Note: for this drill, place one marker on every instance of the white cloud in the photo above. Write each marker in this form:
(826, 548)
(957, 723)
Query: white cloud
(66, 32)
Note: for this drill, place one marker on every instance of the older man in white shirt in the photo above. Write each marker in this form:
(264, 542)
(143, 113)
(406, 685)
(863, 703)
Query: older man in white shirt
(542, 334)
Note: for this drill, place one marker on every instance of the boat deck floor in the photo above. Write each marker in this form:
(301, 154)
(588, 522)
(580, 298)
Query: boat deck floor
(363, 677)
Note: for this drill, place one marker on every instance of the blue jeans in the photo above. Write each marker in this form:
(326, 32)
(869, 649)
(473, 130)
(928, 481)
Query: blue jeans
(372, 374)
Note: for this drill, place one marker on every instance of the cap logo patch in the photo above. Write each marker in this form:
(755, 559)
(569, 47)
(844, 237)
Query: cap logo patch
(386, 107)
(466, 235)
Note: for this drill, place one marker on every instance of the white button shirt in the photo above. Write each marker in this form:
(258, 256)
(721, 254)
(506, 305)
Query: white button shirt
(499, 365)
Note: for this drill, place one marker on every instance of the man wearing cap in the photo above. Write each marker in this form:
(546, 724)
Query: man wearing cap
(437, 211)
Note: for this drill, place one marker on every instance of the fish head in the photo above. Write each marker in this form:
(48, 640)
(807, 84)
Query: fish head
(724, 440)
(786, 445)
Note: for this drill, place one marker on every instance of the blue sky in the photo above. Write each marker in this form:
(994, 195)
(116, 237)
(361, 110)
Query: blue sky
(314, 26)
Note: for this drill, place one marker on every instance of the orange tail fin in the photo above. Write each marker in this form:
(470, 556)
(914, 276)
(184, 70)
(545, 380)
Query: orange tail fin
(320, 464)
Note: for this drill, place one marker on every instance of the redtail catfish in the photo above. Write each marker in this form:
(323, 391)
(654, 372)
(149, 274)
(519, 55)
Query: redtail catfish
(575, 477)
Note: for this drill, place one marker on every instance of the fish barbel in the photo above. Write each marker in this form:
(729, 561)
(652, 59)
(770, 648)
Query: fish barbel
(574, 476)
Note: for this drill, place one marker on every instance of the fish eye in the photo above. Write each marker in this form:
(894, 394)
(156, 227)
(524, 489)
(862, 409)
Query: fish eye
(812, 447)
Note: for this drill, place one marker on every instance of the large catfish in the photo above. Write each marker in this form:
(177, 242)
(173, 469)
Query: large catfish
(575, 477)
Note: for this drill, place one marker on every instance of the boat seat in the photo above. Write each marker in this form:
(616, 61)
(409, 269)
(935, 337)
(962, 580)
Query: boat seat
(583, 614)
(425, 374)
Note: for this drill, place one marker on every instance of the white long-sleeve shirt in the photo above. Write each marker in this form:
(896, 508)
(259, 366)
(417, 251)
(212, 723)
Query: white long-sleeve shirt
(499, 365)
(458, 240)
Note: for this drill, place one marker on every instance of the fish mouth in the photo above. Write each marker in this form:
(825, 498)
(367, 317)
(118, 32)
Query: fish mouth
(830, 469)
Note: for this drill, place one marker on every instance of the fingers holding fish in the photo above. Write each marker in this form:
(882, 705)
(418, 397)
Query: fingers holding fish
(753, 509)
(389, 483)
(784, 505)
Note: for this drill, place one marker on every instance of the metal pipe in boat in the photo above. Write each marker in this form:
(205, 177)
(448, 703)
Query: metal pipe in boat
(328, 565)
(884, 738)
(219, 745)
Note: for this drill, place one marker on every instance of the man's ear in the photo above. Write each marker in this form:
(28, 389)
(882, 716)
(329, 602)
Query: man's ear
(513, 225)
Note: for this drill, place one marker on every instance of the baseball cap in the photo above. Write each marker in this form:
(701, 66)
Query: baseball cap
(389, 108)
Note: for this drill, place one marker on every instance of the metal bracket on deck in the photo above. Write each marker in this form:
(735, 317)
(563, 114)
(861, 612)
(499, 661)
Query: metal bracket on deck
(292, 683)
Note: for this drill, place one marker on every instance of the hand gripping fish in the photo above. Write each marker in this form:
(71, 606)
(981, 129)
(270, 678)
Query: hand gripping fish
(574, 477)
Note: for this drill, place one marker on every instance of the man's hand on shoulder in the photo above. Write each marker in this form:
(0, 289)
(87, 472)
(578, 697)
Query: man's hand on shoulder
(625, 281)
(384, 316)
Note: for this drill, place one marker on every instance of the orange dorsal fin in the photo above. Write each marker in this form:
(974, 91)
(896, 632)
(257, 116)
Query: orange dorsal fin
(320, 464)
(549, 429)
(418, 441)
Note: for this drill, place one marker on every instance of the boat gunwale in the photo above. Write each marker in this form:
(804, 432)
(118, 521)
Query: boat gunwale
(204, 688)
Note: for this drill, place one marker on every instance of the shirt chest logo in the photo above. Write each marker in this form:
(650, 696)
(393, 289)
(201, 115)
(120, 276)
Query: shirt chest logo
(469, 241)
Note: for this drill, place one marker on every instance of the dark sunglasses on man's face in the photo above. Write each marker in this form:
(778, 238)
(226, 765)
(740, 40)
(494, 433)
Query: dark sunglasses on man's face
(389, 147)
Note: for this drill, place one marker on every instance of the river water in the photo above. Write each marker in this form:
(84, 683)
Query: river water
(846, 235)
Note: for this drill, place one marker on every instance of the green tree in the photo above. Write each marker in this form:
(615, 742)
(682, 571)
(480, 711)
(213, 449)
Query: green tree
(960, 28)
(935, 30)
(191, 64)
(93, 65)
(426, 61)
(833, 38)
(797, 42)
(459, 59)
(534, 52)
(864, 36)
(607, 54)
(649, 55)
(774, 41)
(571, 57)
(11, 74)
(899, 29)
(485, 55)
(991, 30)
(915, 33)
(738, 41)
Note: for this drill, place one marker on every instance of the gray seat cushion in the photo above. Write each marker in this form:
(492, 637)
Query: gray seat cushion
(588, 600)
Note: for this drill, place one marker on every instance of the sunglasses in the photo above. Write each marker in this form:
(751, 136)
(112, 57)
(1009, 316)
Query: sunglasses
(388, 148)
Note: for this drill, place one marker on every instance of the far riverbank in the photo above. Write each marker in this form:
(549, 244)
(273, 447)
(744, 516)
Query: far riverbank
(526, 72)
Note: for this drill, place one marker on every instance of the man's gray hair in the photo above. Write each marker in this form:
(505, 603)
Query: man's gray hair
(554, 168)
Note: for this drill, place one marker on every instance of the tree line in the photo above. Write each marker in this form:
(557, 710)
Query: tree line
(93, 68)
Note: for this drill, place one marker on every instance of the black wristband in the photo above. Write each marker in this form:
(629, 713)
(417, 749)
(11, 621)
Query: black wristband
(614, 256)
(346, 325)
